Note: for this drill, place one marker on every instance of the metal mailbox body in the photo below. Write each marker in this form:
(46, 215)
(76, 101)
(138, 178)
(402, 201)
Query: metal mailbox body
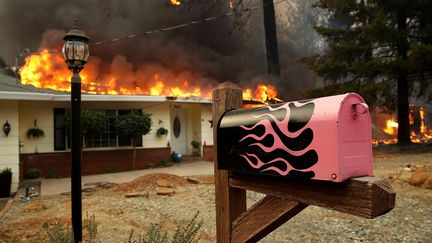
(327, 138)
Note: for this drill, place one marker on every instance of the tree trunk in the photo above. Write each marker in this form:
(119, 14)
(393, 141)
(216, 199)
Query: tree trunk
(273, 67)
(134, 154)
(402, 83)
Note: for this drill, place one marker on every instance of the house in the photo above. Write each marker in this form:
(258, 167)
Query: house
(23, 107)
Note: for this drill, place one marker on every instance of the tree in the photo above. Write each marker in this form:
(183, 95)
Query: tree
(134, 124)
(383, 47)
(93, 123)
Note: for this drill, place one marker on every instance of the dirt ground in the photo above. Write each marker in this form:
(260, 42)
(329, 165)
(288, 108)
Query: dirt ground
(116, 215)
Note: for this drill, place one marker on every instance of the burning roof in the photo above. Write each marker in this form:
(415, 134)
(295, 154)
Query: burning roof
(48, 70)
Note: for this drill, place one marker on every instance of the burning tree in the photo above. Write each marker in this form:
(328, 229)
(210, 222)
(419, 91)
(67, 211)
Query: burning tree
(378, 48)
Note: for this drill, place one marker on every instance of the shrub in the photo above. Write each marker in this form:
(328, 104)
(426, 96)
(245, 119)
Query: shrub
(165, 163)
(162, 131)
(185, 233)
(32, 174)
(56, 233)
(35, 132)
(6, 171)
(52, 174)
(112, 170)
(91, 227)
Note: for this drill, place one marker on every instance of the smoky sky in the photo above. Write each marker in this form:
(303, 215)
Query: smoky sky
(216, 51)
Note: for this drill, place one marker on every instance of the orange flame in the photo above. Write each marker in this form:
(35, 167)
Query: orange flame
(262, 92)
(422, 136)
(175, 2)
(48, 70)
(391, 127)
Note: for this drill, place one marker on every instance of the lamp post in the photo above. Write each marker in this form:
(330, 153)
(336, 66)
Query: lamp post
(76, 53)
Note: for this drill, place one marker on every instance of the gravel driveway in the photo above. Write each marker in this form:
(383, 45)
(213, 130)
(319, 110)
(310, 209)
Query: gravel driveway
(116, 215)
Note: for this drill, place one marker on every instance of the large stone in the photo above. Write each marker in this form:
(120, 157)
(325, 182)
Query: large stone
(428, 183)
(132, 194)
(164, 191)
(418, 178)
(164, 183)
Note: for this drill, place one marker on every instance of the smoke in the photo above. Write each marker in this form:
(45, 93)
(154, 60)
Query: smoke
(211, 52)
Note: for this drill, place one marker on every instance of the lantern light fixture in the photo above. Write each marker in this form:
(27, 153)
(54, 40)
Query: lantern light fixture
(6, 128)
(75, 49)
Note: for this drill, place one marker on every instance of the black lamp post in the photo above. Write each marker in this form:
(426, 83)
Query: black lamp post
(76, 53)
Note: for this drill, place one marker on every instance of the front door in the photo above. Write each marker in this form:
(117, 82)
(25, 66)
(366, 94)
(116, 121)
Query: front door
(178, 131)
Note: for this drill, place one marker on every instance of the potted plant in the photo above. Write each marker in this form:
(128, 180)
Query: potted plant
(162, 131)
(195, 148)
(5, 182)
(35, 132)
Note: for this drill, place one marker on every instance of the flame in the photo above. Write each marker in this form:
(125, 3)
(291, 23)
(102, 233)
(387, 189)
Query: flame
(423, 135)
(391, 127)
(175, 2)
(262, 92)
(48, 70)
(230, 4)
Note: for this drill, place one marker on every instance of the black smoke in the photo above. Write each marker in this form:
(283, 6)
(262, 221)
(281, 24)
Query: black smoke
(214, 51)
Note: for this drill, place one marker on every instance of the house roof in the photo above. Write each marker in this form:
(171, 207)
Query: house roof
(11, 89)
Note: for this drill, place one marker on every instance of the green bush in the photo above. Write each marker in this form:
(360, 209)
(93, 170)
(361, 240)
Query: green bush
(35, 132)
(112, 170)
(52, 174)
(6, 171)
(32, 174)
(150, 165)
(165, 163)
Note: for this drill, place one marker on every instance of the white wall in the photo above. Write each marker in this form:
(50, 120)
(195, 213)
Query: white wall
(206, 130)
(42, 111)
(9, 146)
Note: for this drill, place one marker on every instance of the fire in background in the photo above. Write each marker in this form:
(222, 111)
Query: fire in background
(420, 132)
(47, 70)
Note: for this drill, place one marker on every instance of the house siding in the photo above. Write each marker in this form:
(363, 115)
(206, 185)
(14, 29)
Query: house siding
(9, 145)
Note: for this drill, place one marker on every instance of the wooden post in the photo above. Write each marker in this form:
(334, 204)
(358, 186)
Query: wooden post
(230, 202)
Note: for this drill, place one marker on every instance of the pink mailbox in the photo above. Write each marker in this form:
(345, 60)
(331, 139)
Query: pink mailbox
(327, 138)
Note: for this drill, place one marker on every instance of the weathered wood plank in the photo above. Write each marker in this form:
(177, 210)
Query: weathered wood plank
(264, 217)
(367, 197)
(230, 202)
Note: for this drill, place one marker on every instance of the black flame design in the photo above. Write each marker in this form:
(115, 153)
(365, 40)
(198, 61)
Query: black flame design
(277, 142)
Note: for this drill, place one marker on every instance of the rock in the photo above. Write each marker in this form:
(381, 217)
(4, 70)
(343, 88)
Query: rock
(132, 194)
(418, 178)
(407, 169)
(193, 180)
(89, 189)
(428, 183)
(164, 191)
(103, 184)
(35, 207)
(404, 175)
(164, 183)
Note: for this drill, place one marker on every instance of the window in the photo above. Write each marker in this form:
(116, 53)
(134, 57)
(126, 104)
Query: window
(127, 141)
(59, 129)
(109, 138)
